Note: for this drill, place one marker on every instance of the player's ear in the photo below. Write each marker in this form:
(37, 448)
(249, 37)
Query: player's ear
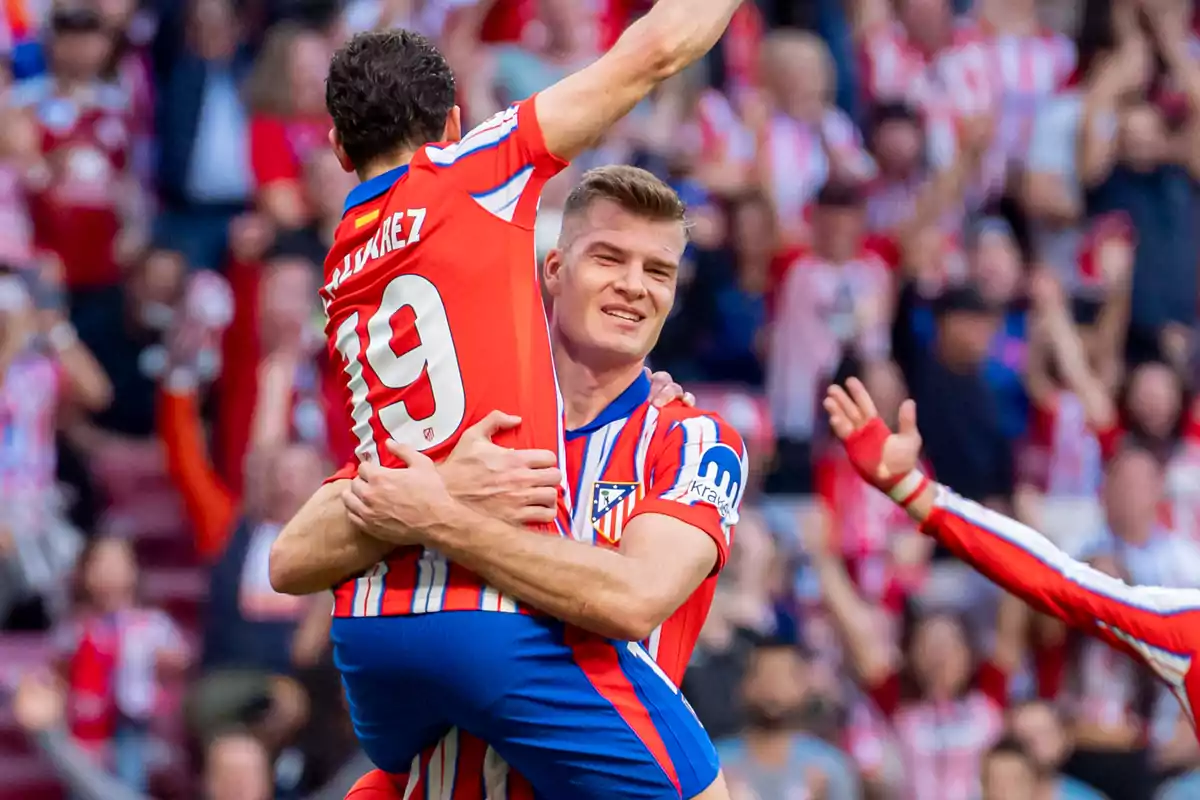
(453, 131)
(552, 272)
(335, 142)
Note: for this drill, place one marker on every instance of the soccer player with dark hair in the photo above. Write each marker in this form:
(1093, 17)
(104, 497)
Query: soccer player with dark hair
(435, 310)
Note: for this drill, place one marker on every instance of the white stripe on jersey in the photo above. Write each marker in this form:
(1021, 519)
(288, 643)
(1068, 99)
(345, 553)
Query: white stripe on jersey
(430, 591)
(595, 458)
(443, 768)
(496, 600)
(368, 592)
(495, 775)
(653, 642)
(698, 434)
(347, 343)
(502, 201)
(488, 134)
(649, 426)
(640, 654)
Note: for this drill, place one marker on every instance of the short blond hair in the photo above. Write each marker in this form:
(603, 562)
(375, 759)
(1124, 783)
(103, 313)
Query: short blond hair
(632, 188)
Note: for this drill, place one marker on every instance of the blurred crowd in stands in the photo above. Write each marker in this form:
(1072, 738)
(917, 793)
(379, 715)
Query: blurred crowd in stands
(989, 206)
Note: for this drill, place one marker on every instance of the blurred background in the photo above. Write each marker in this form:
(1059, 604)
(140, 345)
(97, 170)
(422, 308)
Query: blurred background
(989, 205)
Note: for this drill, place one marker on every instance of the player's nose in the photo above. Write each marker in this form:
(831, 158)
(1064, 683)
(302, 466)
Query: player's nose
(631, 283)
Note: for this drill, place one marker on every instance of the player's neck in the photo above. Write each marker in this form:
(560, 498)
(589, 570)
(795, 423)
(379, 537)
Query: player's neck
(387, 164)
(587, 391)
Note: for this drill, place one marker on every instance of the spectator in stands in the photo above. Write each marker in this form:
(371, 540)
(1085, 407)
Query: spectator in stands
(961, 423)
(1150, 175)
(803, 140)
(21, 169)
(1039, 729)
(1153, 403)
(113, 654)
(203, 137)
(884, 553)
(247, 642)
(835, 298)
(775, 756)
(1143, 548)
(92, 212)
(724, 323)
(236, 765)
(1114, 64)
(288, 121)
(275, 320)
(46, 375)
(125, 474)
(1061, 455)
(1008, 771)
(943, 707)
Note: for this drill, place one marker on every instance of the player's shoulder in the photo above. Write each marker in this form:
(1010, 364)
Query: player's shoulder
(485, 136)
(699, 427)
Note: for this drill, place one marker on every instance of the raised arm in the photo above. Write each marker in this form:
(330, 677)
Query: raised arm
(575, 112)
(1136, 619)
(1150, 623)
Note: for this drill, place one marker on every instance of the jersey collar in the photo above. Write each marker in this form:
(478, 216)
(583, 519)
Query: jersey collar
(623, 406)
(373, 187)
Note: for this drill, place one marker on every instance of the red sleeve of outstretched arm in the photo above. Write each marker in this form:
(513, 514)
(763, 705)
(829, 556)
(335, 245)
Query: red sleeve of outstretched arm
(1154, 624)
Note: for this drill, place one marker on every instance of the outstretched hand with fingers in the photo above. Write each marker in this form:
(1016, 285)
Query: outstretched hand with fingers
(882, 457)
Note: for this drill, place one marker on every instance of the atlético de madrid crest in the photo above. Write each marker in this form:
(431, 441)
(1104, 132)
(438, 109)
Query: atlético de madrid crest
(612, 504)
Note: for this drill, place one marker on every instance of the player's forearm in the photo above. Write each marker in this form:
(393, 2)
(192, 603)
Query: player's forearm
(1028, 565)
(580, 108)
(680, 32)
(597, 589)
(320, 547)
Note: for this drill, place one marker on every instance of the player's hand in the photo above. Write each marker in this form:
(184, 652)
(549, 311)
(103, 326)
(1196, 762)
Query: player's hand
(880, 456)
(395, 505)
(664, 390)
(518, 486)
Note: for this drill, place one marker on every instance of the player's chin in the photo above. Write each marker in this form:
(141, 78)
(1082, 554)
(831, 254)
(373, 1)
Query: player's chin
(621, 346)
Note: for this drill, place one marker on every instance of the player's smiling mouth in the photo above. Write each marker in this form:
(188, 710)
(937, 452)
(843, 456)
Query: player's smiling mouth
(624, 313)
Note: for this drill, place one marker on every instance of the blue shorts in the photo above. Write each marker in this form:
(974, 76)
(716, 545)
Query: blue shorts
(582, 718)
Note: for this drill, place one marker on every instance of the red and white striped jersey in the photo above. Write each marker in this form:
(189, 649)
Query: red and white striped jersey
(1008, 76)
(801, 157)
(677, 461)
(1061, 454)
(897, 69)
(435, 312)
(719, 134)
(821, 308)
(631, 460)
(943, 744)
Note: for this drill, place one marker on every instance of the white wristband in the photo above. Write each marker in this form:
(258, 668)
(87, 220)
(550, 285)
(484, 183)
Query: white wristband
(903, 491)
